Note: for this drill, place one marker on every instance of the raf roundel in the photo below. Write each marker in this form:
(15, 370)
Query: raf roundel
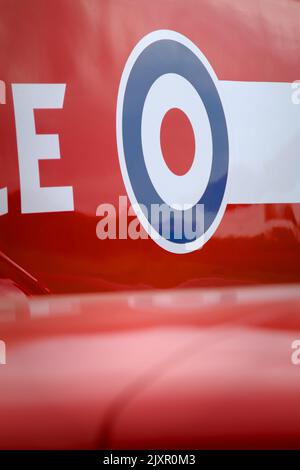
(167, 71)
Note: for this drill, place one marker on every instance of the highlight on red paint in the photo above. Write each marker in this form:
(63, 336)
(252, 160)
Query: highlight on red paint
(2, 92)
(2, 353)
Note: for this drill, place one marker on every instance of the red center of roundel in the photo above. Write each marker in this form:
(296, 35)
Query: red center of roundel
(177, 141)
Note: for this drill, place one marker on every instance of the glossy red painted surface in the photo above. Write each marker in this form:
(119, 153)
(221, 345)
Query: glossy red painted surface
(86, 45)
(181, 369)
(194, 368)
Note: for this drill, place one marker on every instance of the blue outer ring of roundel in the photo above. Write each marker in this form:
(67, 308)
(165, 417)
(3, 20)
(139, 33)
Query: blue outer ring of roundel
(159, 58)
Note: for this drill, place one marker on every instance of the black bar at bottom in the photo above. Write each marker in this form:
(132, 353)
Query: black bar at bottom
(152, 459)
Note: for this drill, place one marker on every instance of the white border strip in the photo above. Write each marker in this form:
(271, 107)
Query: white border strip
(264, 139)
